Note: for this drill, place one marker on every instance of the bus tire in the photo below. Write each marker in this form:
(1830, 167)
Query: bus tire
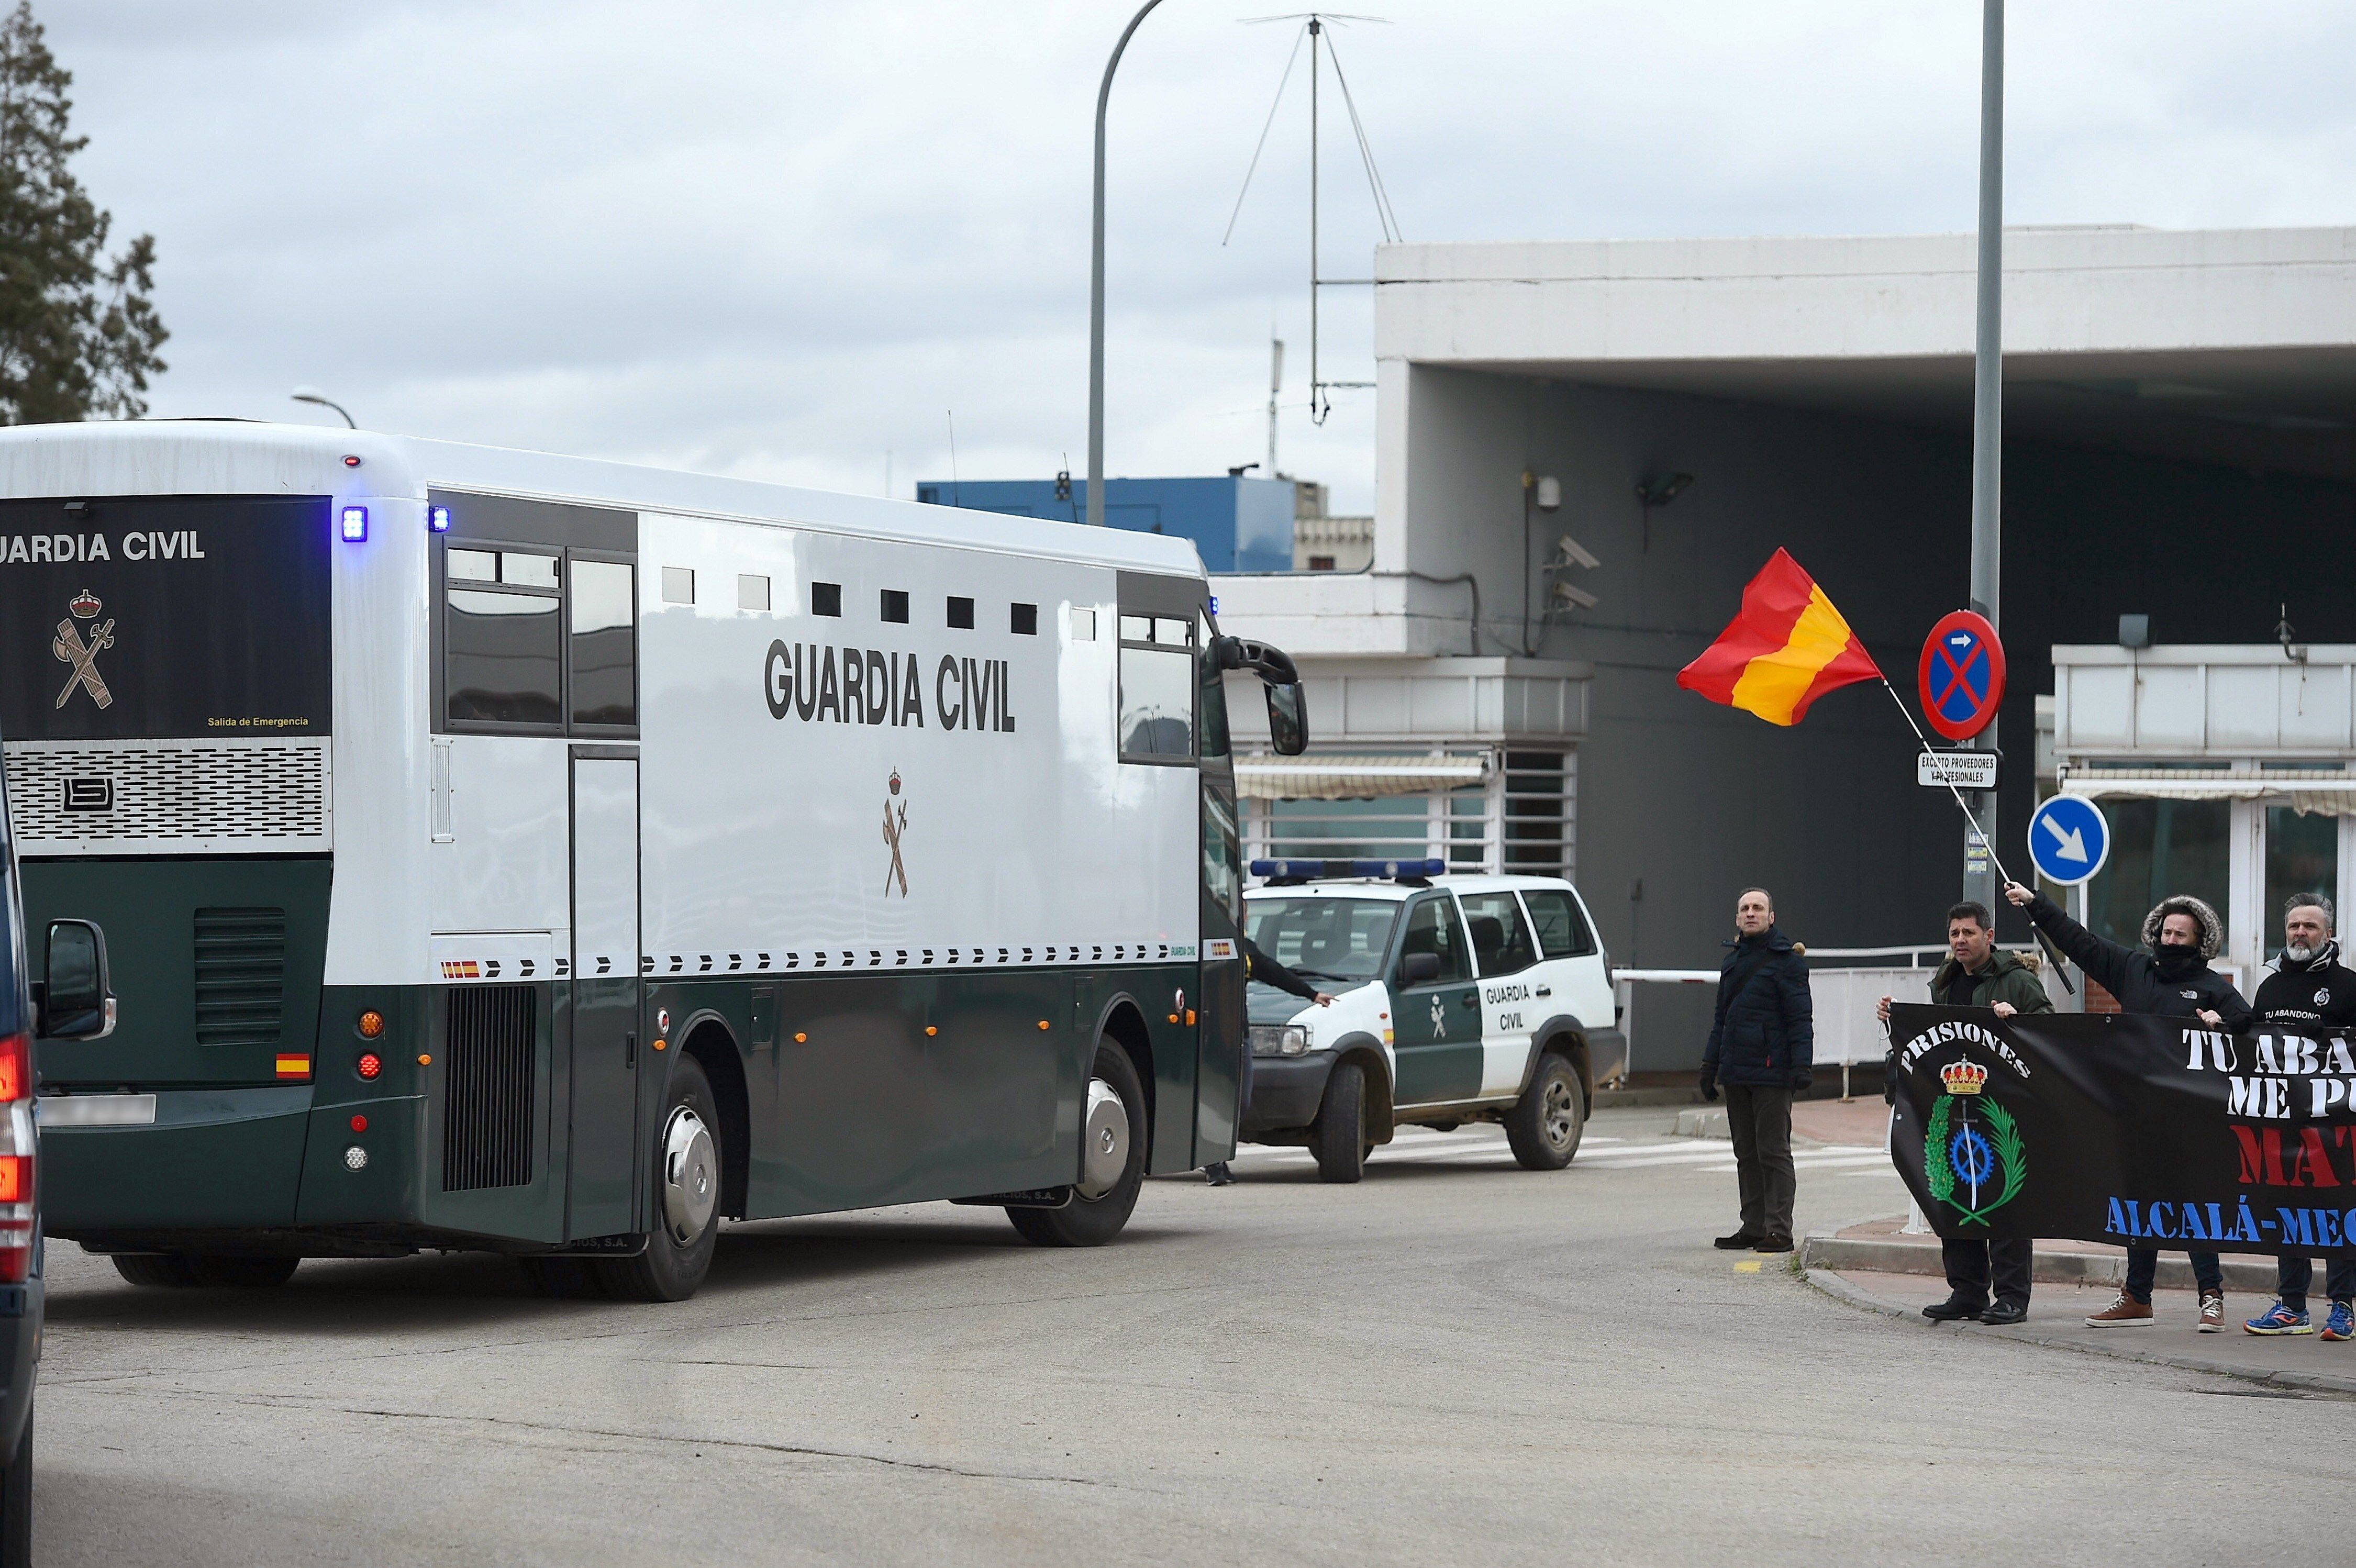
(686, 1198)
(1338, 1136)
(155, 1271)
(565, 1279)
(1092, 1221)
(1546, 1123)
(232, 1271)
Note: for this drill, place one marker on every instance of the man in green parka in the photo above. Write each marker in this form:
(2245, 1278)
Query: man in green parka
(1978, 973)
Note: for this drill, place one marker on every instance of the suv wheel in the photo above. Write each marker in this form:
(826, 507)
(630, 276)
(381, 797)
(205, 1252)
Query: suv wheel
(1338, 1136)
(1546, 1122)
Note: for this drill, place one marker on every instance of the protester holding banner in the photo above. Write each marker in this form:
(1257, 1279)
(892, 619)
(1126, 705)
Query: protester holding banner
(1763, 1047)
(2173, 980)
(2308, 992)
(1978, 973)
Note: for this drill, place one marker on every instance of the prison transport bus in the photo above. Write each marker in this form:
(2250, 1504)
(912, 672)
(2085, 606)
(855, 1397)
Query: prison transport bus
(546, 856)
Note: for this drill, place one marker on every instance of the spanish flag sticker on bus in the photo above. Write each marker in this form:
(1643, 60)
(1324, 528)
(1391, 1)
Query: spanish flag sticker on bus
(293, 1065)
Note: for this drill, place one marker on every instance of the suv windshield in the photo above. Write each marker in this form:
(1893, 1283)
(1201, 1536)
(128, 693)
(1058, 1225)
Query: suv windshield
(1333, 939)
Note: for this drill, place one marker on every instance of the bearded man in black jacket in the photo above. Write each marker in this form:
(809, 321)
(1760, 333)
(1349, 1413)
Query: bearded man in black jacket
(2172, 979)
(2308, 992)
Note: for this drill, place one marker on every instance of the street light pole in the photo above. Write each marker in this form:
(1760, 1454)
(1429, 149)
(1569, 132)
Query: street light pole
(1095, 286)
(312, 395)
(1987, 410)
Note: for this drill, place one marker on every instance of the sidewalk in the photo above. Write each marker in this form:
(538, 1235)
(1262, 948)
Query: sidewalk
(1872, 1267)
(1863, 1121)
(1882, 1246)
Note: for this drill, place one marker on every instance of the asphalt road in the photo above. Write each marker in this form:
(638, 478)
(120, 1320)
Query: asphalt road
(1454, 1361)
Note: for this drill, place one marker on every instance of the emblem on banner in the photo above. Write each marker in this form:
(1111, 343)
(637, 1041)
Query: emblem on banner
(893, 831)
(1974, 1160)
(69, 648)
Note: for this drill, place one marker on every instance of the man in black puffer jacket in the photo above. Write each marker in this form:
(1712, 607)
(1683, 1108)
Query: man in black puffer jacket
(1761, 1047)
(2310, 993)
(2173, 980)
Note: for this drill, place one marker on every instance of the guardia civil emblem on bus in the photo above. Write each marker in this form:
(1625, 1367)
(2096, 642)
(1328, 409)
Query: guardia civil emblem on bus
(497, 836)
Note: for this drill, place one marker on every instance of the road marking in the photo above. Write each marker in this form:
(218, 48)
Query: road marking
(1747, 1266)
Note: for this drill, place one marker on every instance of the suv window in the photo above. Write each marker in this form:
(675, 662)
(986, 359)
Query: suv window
(1562, 925)
(1327, 938)
(1432, 927)
(1501, 937)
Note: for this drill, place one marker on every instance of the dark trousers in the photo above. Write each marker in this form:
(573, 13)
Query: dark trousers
(1761, 1121)
(2296, 1271)
(2143, 1267)
(1970, 1264)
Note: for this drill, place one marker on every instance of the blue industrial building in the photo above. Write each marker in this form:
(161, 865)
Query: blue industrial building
(1238, 524)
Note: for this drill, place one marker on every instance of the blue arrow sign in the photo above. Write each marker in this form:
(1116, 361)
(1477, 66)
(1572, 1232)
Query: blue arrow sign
(2069, 839)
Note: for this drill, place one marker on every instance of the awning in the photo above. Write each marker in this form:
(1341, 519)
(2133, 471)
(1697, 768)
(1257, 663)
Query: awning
(1354, 777)
(2327, 795)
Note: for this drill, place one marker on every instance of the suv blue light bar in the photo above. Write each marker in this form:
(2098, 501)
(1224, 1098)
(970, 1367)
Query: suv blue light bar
(1304, 870)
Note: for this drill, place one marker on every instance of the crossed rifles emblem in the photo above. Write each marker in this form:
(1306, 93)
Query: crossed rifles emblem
(893, 830)
(71, 649)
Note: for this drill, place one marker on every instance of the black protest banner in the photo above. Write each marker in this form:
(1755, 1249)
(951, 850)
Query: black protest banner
(2130, 1129)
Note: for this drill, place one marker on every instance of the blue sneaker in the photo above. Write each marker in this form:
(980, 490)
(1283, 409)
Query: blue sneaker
(2281, 1319)
(2341, 1321)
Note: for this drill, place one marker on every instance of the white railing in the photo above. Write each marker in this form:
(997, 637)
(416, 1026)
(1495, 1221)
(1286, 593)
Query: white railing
(1846, 999)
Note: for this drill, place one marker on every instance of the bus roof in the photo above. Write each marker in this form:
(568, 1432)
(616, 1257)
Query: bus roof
(228, 456)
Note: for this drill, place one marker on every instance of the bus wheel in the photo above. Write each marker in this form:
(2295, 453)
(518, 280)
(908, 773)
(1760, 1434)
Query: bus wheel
(686, 1198)
(567, 1279)
(1338, 1136)
(155, 1271)
(242, 1273)
(1546, 1122)
(1112, 1161)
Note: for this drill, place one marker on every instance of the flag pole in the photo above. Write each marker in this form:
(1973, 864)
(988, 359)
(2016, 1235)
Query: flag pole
(2042, 939)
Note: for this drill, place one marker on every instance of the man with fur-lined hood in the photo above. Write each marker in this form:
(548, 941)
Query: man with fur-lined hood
(2174, 979)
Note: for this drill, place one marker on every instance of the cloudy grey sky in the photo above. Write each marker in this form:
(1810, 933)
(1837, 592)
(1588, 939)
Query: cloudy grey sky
(779, 240)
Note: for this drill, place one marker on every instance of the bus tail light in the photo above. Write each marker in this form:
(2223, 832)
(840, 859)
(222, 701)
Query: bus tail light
(16, 1068)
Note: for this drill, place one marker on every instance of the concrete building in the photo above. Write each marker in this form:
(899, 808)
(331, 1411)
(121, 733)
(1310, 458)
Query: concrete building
(2180, 442)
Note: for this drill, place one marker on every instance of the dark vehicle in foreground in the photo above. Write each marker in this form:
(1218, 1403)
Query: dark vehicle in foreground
(74, 1005)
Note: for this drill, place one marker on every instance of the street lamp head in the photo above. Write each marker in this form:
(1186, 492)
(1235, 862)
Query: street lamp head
(307, 393)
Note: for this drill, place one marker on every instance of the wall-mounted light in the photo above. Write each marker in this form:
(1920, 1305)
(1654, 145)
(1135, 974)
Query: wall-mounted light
(353, 525)
(1550, 492)
(1651, 493)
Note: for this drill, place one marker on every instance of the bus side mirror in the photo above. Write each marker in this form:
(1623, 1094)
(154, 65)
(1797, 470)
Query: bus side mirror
(1419, 968)
(1288, 719)
(76, 1003)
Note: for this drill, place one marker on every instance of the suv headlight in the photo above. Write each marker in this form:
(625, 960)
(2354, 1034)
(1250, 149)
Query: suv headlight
(1278, 1040)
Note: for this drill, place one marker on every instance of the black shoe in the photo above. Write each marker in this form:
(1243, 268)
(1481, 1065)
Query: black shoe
(1740, 1242)
(1218, 1173)
(2006, 1312)
(1954, 1309)
(1771, 1244)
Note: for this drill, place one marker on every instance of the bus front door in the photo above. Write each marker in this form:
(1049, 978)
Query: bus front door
(603, 1149)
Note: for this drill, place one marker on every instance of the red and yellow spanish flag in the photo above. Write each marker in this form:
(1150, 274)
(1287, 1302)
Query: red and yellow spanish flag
(1787, 647)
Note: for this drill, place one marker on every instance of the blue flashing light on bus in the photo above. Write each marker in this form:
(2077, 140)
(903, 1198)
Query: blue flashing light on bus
(354, 526)
(1307, 870)
(437, 518)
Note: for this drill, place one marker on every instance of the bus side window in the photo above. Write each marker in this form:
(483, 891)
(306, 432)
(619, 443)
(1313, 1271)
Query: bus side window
(604, 643)
(501, 638)
(1157, 688)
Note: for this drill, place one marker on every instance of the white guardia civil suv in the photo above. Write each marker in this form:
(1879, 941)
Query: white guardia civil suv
(1456, 999)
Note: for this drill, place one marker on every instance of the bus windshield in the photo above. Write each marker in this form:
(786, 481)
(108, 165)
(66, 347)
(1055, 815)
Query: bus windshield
(1331, 939)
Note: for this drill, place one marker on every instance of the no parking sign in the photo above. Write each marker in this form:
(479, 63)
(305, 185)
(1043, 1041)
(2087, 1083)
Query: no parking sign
(1962, 675)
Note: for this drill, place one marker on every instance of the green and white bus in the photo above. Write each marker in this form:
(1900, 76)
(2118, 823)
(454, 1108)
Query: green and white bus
(550, 857)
